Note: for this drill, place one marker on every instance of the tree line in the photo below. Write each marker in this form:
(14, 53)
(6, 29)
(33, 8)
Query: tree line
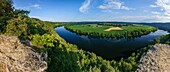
(125, 34)
(116, 25)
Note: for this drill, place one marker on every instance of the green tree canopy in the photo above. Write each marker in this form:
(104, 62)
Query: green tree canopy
(6, 12)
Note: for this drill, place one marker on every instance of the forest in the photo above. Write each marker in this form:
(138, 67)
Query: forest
(62, 56)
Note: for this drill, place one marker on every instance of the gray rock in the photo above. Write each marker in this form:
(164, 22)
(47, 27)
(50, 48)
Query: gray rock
(16, 57)
(157, 59)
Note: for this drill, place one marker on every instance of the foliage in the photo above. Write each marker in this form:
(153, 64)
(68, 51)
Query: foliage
(17, 26)
(157, 40)
(162, 26)
(6, 11)
(163, 39)
(94, 30)
(22, 12)
(116, 25)
(43, 40)
(66, 57)
(24, 27)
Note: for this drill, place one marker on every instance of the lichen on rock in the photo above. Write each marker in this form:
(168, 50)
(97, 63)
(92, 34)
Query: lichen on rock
(157, 59)
(18, 57)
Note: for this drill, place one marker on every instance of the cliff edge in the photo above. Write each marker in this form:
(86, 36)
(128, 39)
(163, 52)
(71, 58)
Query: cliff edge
(18, 57)
(157, 59)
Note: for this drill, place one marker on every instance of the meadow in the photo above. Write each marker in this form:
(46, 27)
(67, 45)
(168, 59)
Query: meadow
(118, 31)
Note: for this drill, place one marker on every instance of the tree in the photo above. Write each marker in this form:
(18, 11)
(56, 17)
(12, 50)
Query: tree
(6, 12)
(22, 12)
(17, 26)
(6, 8)
(157, 40)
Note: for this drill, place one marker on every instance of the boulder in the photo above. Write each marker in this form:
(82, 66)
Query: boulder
(18, 57)
(157, 59)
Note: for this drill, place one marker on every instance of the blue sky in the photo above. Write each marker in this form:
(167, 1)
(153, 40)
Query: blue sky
(97, 10)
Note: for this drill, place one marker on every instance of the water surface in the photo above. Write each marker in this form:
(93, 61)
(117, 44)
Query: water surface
(109, 48)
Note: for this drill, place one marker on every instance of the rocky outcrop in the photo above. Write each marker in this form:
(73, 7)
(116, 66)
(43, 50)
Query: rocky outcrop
(17, 57)
(157, 59)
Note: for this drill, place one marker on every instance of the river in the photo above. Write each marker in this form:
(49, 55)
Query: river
(109, 48)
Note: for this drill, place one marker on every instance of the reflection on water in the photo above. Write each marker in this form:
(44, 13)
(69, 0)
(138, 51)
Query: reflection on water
(109, 48)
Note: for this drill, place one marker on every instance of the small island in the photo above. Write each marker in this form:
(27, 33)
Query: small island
(111, 30)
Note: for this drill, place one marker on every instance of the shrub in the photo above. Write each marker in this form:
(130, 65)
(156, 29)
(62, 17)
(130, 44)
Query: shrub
(43, 40)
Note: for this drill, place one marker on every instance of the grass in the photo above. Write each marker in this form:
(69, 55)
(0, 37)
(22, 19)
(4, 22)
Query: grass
(100, 29)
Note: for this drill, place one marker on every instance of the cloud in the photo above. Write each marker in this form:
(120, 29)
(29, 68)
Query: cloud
(37, 6)
(85, 6)
(153, 6)
(164, 6)
(145, 11)
(156, 13)
(112, 4)
(126, 8)
(110, 11)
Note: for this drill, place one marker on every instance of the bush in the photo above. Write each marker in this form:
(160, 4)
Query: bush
(157, 40)
(44, 40)
(17, 26)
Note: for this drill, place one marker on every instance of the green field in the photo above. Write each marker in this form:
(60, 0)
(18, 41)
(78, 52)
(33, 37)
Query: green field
(99, 30)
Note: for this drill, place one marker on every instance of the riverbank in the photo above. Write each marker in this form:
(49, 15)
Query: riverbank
(109, 48)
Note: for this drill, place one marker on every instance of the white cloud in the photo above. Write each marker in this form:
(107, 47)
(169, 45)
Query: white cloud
(110, 11)
(37, 6)
(156, 13)
(112, 4)
(127, 8)
(85, 6)
(164, 6)
(153, 6)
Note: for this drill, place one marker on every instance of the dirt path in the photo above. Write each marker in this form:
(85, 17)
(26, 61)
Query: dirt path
(157, 59)
(113, 28)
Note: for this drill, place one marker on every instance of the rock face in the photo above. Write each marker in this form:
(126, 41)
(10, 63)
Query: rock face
(17, 57)
(157, 59)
